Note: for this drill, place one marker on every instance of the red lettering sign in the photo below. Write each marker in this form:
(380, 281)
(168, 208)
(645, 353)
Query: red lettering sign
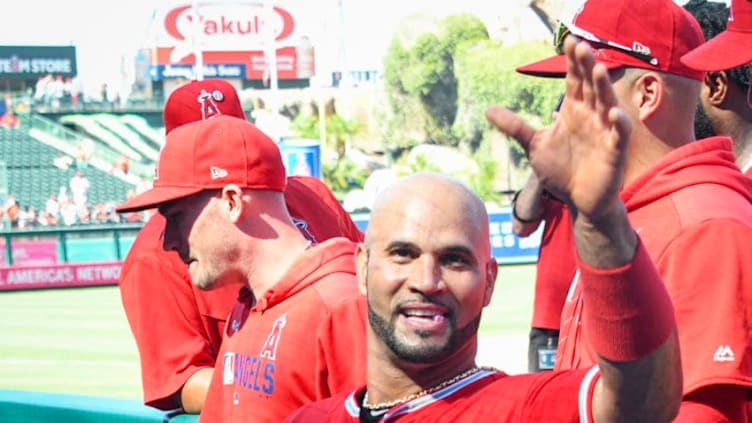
(59, 275)
(223, 26)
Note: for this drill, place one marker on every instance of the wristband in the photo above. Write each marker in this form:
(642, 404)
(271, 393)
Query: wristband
(516, 216)
(628, 311)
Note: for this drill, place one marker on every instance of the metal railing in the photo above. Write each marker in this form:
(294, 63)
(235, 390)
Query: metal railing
(64, 233)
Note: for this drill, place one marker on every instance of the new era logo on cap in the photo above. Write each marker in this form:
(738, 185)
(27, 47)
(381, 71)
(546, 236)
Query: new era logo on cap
(201, 100)
(648, 34)
(210, 154)
(217, 172)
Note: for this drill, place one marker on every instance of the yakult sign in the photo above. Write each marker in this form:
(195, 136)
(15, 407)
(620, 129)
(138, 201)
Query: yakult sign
(226, 26)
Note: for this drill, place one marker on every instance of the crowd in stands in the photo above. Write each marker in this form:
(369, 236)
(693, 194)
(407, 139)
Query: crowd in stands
(55, 91)
(70, 206)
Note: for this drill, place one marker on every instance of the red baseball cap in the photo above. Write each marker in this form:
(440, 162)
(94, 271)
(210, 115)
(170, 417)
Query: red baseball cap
(209, 154)
(201, 100)
(730, 48)
(648, 34)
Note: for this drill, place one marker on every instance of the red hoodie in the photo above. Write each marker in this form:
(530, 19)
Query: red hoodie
(158, 295)
(693, 213)
(303, 340)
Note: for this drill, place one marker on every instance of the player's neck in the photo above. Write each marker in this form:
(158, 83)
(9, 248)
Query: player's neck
(272, 258)
(391, 379)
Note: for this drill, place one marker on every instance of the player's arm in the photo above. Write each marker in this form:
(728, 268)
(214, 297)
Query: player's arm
(158, 301)
(193, 392)
(527, 207)
(631, 324)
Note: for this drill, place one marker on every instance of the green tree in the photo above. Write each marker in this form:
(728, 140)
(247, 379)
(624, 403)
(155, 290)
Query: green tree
(486, 74)
(420, 79)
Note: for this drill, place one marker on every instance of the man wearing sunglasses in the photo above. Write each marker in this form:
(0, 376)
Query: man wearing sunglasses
(686, 199)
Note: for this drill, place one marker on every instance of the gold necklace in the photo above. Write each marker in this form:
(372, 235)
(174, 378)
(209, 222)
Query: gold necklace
(390, 404)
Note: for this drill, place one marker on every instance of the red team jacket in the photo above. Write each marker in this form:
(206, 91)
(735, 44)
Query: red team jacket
(302, 341)
(692, 211)
(556, 265)
(159, 297)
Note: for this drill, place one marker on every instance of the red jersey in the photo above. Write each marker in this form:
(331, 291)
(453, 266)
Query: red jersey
(304, 340)
(159, 297)
(556, 264)
(692, 212)
(486, 396)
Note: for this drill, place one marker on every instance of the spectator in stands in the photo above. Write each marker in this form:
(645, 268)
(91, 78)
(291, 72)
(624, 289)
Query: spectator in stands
(52, 207)
(123, 165)
(83, 214)
(46, 219)
(79, 186)
(62, 195)
(68, 212)
(8, 119)
(27, 218)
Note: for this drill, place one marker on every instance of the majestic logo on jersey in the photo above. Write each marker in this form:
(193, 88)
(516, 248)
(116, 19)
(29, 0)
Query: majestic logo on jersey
(269, 350)
(724, 354)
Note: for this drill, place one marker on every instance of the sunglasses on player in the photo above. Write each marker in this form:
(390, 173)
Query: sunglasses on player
(569, 29)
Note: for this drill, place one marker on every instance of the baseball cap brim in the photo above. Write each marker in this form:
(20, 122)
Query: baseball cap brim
(556, 67)
(722, 52)
(156, 197)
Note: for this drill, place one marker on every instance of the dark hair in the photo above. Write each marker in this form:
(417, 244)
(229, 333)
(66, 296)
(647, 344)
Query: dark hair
(712, 17)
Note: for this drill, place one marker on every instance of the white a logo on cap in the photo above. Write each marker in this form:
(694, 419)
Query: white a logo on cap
(217, 172)
(208, 103)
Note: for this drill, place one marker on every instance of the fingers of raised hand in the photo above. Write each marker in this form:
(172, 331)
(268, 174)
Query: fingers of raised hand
(585, 61)
(574, 74)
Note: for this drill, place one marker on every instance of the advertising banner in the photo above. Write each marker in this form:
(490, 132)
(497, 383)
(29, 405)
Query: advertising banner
(233, 33)
(31, 253)
(27, 62)
(59, 275)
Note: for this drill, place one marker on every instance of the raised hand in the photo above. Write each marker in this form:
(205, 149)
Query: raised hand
(581, 157)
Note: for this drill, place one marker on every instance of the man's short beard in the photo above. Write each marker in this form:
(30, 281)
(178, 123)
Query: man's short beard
(420, 353)
(703, 126)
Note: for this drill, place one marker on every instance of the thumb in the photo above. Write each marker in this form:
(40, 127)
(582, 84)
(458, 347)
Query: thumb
(510, 124)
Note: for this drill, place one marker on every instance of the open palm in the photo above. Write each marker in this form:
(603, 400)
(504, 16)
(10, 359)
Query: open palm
(581, 157)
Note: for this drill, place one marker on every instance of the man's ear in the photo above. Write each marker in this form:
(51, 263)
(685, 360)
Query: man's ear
(717, 84)
(650, 91)
(361, 267)
(232, 197)
(492, 271)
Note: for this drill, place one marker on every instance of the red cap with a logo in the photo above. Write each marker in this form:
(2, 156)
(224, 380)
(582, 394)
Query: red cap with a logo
(210, 154)
(648, 34)
(201, 100)
(730, 48)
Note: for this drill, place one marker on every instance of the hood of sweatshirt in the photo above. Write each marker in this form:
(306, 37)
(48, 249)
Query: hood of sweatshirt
(333, 256)
(710, 160)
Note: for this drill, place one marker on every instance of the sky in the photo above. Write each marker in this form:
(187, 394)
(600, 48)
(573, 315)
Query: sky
(104, 31)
